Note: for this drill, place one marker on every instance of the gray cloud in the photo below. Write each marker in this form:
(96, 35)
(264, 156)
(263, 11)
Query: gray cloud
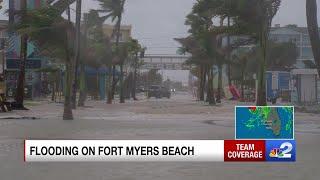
(156, 22)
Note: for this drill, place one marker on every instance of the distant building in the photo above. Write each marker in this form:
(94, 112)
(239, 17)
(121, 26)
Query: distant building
(3, 37)
(125, 32)
(297, 35)
(3, 28)
(288, 33)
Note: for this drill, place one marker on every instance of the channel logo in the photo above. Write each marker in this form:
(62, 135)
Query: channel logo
(281, 150)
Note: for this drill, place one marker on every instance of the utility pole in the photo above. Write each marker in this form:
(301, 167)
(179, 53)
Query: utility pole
(77, 53)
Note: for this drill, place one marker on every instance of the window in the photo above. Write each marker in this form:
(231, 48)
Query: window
(307, 53)
(306, 40)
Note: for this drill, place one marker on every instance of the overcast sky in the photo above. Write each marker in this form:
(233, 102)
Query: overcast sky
(156, 22)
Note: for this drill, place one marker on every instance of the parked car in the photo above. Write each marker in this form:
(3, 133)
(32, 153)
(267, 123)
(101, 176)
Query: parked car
(140, 89)
(158, 92)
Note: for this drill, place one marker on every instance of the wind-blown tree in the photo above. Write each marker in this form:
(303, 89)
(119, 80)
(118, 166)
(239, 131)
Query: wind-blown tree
(199, 46)
(257, 17)
(96, 56)
(203, 51)
(77, 52)
(53, 79)
(59, 7)
(122, 54)
(82, 73)
(23, 58)
(95, 50)
(313, 28)
(242, 60)
(114, 9)
(94, 28)
(134, 48)
(51, 32)
(198, 58)
(281, 56)
(201, 22)
(250, 18)
(99, 48)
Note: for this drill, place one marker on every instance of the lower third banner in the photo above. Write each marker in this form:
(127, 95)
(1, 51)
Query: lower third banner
(158, 150)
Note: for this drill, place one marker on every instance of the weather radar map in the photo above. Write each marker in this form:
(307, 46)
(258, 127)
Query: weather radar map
(264, 122)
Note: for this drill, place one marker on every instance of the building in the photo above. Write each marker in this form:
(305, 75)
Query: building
(33, 79)
(304, 86)
(3, 28)
(125, 32)
(297, 35)
(3, 38)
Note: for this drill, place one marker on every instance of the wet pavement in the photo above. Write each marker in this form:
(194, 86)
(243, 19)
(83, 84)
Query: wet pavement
(176, 118)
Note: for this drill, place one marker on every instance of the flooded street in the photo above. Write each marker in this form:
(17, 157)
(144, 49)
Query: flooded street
(178, 118)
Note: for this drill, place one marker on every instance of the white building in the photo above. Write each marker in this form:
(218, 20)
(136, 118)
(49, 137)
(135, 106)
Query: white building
(297, 35)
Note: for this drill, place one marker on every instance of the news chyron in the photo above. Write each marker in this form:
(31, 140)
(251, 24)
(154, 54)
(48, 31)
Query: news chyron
(262, 134)
(267, 130)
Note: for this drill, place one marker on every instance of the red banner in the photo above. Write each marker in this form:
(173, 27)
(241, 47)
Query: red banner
(244, 150)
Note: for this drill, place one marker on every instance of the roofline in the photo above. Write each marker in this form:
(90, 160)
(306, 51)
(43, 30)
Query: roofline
(122, 26)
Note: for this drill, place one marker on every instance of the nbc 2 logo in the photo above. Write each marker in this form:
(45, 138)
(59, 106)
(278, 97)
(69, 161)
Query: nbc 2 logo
(280, 150)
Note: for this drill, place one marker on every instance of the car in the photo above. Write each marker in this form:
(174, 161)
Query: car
(140, 89)
(158, 92)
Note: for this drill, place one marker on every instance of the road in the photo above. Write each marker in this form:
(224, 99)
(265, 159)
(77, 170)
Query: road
(176, 118)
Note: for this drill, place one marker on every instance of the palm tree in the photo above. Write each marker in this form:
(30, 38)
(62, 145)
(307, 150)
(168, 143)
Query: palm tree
(77, 52)
(23, 58)
(51, 32)
(258, 15)
(134, 48)
(252, 18)
(312, 21)
(82, 82)
(114, 10)
(240, 61)
(94, 29)
(198, 58)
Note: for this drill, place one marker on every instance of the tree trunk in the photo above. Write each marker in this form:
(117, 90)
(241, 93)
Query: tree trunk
(21, 79)
(23, 58)
(203, 75)
(82, 88)
(219, 95)
(228, 56)
(53, 94)
(312, 21)
(121, 85)
(118, 30)
(113, 84)
(261, 92)
(134, 85)
(77, 53)
(200, 90)
(109, 98)
(67, 112)
(208, 85)
(242, 83)
(211, 96)
(97, 89)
